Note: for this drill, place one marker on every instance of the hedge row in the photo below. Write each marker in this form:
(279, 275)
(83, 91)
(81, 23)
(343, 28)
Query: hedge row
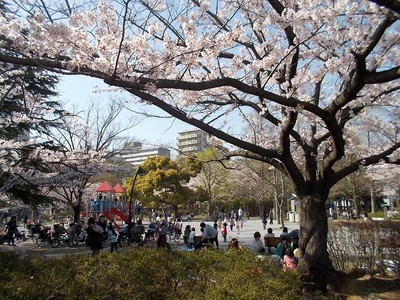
(147, 274)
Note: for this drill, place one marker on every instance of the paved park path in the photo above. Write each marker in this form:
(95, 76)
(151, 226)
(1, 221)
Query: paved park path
(245, 237)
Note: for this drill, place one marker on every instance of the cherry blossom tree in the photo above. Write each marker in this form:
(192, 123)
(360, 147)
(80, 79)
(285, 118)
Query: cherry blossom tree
(212, 177)
(317, 74)
(89, 141)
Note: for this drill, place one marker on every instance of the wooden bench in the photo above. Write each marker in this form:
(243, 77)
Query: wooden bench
(197, 239)
(272, 242)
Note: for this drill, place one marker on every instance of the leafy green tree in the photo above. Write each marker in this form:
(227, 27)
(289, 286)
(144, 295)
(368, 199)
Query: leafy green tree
(164, 182)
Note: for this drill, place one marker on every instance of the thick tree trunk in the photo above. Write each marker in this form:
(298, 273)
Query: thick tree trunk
(315, 264)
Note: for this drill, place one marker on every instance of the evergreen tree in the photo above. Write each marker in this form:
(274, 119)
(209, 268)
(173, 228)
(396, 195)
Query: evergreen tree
(26, 114)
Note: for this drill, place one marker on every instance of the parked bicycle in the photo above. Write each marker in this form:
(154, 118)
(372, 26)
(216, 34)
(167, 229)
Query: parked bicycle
(42, 236)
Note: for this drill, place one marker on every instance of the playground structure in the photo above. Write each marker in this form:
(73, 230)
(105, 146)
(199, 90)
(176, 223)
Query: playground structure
(109, 202)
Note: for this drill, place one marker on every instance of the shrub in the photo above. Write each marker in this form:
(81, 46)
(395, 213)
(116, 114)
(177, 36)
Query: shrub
(147, 274)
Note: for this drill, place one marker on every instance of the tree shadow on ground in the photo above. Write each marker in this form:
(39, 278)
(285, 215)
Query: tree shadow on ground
(358, 284)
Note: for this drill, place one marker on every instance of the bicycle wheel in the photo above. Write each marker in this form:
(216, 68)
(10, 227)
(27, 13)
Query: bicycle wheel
(73, 241)
(168, 237)
(124, 241)
(150, 241)
(41, 241)
(177, 237)
(55, 242)
(18, 239)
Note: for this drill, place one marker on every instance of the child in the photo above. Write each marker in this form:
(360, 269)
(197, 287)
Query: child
(112, 237)
(289, 261)
(224, 231)
(192, 234)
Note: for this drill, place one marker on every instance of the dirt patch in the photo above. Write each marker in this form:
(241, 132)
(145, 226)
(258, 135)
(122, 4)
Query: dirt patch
(357, 285)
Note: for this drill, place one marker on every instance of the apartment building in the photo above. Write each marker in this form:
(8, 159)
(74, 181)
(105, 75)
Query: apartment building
(137, 153)
(192, 141)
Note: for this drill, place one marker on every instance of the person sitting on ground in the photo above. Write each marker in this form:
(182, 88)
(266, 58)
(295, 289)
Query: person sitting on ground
(210, 235)
(281, 248)
(257, 245)
(269, 233)
(289, 261)
(234, 244)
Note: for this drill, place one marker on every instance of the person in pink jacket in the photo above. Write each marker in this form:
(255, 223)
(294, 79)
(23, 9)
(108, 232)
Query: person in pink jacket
(289, 261)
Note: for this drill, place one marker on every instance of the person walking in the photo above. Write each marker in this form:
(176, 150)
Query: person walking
(264, 219)
(224, 231)
(237, 224)
(94, 236)
(271, 216)
(232, 223)
(11, 230)
(25, 221)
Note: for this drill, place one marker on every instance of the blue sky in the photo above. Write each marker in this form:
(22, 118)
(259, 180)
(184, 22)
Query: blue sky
(79, 91)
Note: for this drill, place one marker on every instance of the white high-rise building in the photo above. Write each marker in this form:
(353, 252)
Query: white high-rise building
(137, 153)
(192, 141)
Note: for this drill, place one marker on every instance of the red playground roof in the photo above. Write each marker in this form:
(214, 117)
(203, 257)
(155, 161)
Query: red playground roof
(105, 187)
(118, 188)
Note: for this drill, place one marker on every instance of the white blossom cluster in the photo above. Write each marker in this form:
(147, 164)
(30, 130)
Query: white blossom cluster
(235, 64)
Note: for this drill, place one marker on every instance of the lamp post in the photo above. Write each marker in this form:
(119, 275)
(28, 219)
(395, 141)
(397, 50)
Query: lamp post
(139, 171)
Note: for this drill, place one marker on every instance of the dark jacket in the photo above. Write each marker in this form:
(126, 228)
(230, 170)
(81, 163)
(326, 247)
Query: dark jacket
(12, 227)
(95, 239)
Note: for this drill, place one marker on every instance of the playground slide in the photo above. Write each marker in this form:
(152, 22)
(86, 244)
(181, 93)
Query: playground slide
(110, 218)
(120, 214)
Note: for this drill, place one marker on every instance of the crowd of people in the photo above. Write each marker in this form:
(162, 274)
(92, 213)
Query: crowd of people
(206, 235)
(102, 230)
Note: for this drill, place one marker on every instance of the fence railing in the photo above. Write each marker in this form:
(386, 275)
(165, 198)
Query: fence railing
(370, 245)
